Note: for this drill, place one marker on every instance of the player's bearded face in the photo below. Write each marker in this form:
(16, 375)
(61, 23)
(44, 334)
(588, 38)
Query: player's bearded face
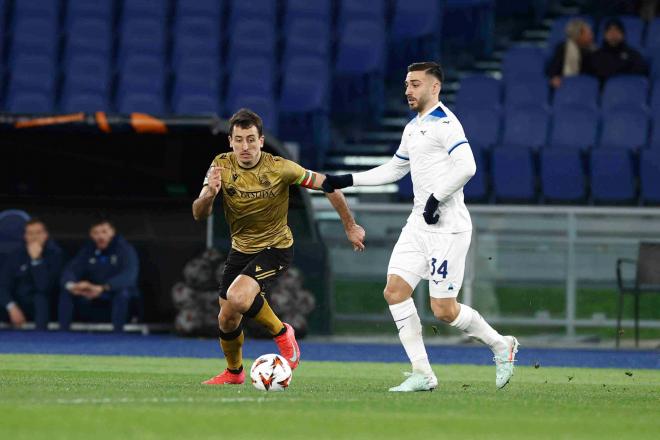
(246, 144)
(419, 90)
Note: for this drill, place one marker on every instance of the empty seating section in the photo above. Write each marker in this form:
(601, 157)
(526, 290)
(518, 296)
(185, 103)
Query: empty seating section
(583, 142)
(295, 61)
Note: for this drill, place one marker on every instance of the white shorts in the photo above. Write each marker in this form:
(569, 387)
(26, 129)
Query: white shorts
(437, 257)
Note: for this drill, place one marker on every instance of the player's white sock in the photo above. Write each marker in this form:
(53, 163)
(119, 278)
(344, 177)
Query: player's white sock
(410, 332)
(472, 323)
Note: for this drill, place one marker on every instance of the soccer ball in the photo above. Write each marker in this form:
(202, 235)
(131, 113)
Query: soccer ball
(270, 372)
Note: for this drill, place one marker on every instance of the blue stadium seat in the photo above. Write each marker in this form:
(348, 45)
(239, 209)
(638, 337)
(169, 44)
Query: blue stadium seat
(526, 127)
(85, 102)
(30, 102)
(653, 36)
(350, 10)
(200, 8)
(89, 35)
(655, 136)
(12, 229)
(513, 175)
(634, 27)
(307, 36)
(477, 187)
(33, 73)
(186, 48)
(562, 176)
(649, 176)
(479, 91)
(558, 31)
(257, 72)
(359, 69)
(142, 73)
(655, 97)
(260, 9)
(150, 103)
(318, 10)
(198, 65)
(104, 10)
(145, 8)
(88, 73)
(523, 62)
(304, 102)
(196, 104)
(415, 32)
(204, 28)
(655, 64)
(577, 91)
(142, 36)
(532, 91)
(254, 37)
(35, 36)
(263, 105)
(623, 90)
(306, 85)
(37, 8)
(414, 19)
(625, 128)
(574, 129)
(612, 178)
(196, 36)
(481, 125)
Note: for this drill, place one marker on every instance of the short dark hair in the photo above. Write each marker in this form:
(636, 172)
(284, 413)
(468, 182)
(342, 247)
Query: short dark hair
(35, 221)
(615, 22)
(430, 67)
(101, 221)
(246, 118)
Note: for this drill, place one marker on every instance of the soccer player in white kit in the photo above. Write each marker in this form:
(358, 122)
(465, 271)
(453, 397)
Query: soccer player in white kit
(435, 240)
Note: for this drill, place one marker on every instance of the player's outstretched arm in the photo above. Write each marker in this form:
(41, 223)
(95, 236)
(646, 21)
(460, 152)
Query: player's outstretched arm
(354, 232)
(388, 172)
(202, 207)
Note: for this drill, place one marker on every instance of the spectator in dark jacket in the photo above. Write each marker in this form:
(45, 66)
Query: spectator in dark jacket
(101, 280)
(29, 276)
(572, 57)
(615, 57)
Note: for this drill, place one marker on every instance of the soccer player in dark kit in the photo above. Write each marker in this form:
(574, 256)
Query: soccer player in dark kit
(254, 187)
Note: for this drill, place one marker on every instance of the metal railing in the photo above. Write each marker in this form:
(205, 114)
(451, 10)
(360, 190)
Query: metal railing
(528, 246)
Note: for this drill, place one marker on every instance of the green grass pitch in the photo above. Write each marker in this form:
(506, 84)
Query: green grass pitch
(99, 397)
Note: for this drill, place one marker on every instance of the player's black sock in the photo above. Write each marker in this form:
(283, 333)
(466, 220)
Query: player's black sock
(236, 371)
(281, 332)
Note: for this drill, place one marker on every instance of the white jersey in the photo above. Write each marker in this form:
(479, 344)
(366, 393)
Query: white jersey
(427, 142)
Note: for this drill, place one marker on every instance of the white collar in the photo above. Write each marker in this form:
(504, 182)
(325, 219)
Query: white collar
(428, 112)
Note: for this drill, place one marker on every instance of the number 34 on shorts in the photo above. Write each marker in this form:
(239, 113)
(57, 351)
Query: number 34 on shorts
(438, 269)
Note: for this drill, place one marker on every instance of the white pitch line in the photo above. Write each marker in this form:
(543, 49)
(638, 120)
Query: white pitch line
(129, 400)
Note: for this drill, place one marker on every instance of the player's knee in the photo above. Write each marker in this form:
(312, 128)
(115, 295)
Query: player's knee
(239, 299)
(227, 323)
(393, 296)
(444, 312)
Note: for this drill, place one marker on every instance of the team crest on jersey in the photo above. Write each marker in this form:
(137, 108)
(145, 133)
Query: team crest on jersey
(423, 132)
(231, 191)
(263, 180)
(234, 176)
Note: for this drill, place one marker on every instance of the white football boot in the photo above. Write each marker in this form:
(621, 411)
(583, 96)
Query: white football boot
(416, 382)
(504, 363)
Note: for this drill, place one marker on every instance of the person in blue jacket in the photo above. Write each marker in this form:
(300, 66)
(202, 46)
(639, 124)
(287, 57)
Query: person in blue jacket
(29, 276)
(101, 280)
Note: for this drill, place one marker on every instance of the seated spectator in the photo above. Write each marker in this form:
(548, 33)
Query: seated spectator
(101, 280)
(572, 56)
(29, 276)
(615, 57)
